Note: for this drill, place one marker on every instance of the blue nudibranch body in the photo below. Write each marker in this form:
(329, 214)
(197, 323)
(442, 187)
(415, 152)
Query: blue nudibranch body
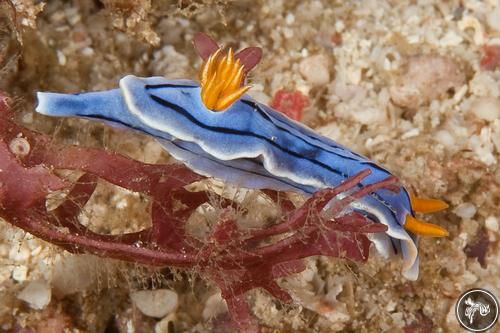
(250, 145)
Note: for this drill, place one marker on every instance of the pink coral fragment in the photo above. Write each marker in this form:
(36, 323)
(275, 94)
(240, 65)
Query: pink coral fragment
(291, 103)
(491, 57)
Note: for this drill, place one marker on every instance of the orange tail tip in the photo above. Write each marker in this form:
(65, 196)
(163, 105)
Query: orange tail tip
(421, 205)
(423, 228)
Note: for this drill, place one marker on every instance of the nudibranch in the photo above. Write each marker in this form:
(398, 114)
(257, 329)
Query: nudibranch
(219, 131)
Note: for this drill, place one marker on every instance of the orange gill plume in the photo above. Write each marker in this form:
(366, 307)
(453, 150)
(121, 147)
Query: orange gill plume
(221, 80)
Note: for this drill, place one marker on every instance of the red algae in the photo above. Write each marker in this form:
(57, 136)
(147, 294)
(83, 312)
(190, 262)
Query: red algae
(236, 260)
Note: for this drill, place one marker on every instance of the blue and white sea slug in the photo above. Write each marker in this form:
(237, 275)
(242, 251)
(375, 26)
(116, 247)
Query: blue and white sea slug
(219, 131)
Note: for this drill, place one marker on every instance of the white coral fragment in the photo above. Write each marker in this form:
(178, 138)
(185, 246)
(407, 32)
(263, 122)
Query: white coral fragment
(315, 70)
(486, 108)
(427, 77)
(37, 294)
(155, 303)
(470, 22)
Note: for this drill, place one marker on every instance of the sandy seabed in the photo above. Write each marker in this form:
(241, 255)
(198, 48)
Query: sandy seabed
(398, 81)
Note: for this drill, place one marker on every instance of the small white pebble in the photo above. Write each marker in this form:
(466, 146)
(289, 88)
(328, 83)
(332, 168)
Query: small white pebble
(494, 41)
(20, 252)
(468, 277)
(372, 142)
(122, 203)
(414, 39)
(387, 64)
(464, 237)
(491, 223)
(354, 75)
(88, 51)
(19, 146)
(61, 58)
(72, 15)
(155, 303)
(398, 319)
(130, 326)
(315, 70)
(73, 274)
(4, 250)
(339, 26)
(482, 146)
(473, 23)
(445, 138)
(411, 133)
(486, 108)
(37, 294)
(36, 251)
(162, 326)
(384, 326)
(152, 152)
(290, 18)
(288, 33)
(391, 306)
(450, 39)
(493, 19)
(28, 118)
(20, 273)
(214, 305)
(465, 210)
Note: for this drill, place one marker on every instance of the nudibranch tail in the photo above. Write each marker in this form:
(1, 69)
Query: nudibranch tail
(422, 205)
(221, 80)
(423, 228)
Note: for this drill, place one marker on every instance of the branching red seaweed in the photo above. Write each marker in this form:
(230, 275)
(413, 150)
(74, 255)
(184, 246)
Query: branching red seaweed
(236, 260)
